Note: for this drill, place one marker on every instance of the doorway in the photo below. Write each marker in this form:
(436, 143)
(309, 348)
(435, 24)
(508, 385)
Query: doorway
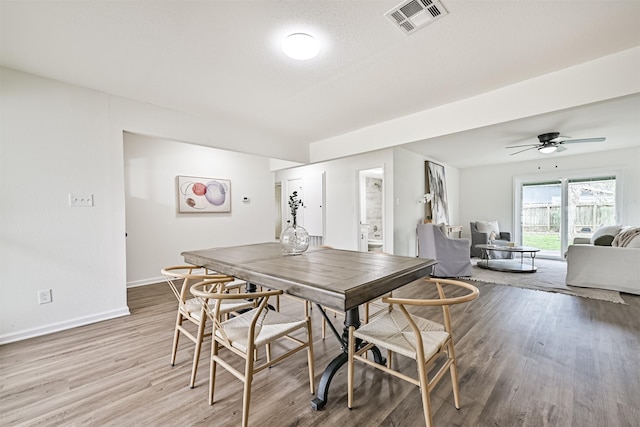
(278, 210)
(371, 215)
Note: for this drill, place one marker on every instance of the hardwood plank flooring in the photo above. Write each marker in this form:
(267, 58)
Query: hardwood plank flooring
(526, 358)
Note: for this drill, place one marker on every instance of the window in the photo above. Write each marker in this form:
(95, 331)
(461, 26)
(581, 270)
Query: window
(553, 212)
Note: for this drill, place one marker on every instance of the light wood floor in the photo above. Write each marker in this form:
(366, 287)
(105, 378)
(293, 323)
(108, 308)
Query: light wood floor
(526, 358)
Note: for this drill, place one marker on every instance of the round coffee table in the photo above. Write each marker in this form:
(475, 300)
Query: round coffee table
(509, 265)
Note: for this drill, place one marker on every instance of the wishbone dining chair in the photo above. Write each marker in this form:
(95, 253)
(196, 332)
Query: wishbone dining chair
(415, 337)
(242, 334)
(180, 278)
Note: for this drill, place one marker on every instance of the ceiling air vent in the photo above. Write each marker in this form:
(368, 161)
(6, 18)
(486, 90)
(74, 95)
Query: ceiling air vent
(411, 15)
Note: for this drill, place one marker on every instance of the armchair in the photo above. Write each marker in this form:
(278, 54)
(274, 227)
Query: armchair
(484, 231)
(452, 254)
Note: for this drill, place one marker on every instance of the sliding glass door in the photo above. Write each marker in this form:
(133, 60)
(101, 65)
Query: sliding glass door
(541, 216)
(553, 212)
(591, 203)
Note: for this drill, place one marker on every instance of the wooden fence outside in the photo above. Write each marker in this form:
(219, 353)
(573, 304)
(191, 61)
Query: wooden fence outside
(545, 218)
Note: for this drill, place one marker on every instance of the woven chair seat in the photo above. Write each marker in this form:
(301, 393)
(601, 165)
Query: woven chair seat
(194, 308)
(392, 331)
(271, 326)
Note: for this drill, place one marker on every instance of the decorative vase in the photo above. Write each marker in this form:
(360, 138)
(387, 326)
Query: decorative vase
(294, 240)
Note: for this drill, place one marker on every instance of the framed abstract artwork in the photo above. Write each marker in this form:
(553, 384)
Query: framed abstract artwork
(436, 186)
(197, 194)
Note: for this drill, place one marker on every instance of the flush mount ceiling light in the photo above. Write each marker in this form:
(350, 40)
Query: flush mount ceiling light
(300, 46)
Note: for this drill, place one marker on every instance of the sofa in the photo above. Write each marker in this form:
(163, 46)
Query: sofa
(613, 267)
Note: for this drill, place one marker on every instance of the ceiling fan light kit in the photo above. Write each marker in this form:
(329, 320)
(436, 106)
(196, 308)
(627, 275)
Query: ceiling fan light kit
(552, 142)
(547, 149)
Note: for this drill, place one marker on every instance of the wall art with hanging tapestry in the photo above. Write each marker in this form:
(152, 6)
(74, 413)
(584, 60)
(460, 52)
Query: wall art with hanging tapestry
(436, 186)
(197, 194)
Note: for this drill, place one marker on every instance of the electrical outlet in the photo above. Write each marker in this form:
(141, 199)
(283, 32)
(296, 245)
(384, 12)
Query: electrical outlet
(44, 296)
(80, 200)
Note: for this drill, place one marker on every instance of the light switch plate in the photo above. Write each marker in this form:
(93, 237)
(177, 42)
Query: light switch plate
(80, 200)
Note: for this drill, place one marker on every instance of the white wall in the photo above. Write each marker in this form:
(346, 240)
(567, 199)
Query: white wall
(487, 193)
(58, 139)
(409, 187)
(157, 233)
(55, 141)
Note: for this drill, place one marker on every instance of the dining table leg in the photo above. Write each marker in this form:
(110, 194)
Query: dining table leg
(352, 318)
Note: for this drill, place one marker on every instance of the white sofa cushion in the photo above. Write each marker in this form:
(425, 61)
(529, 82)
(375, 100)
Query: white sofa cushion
(604, 267)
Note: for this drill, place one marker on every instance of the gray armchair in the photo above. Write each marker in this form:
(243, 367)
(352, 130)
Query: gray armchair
(452, 254)
(482, 238)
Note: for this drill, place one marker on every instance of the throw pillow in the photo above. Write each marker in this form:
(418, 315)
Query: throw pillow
(604, 240)
(610, 230)
(489, 227)
(623, 235)
(635, 242)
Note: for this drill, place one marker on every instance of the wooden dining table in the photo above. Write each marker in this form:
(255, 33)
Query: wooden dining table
(338, 279)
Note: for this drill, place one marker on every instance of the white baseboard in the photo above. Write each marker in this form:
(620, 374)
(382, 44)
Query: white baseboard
(61, 326)
(145, 282)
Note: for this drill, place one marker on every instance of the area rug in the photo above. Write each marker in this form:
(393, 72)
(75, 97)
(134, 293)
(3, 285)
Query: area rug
(550, 277)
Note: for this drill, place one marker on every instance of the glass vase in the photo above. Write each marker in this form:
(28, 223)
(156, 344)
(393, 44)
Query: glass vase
(294, 240)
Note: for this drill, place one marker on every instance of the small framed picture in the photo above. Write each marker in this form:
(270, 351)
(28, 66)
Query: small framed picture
(197, 194)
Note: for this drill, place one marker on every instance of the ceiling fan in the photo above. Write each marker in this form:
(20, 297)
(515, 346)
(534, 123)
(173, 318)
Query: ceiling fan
(553, 142)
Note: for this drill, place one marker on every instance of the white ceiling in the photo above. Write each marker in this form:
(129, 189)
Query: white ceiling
(221, 58)
(618, 120)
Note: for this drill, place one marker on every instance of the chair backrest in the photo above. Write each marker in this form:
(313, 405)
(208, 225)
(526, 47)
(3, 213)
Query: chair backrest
(210, 294)
(426, 244)
(180, 276)
(489, 226)
(442, 301)
(428, 237)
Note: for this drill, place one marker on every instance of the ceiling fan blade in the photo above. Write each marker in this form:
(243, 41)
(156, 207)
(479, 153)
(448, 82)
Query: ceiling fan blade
(560, 148)
(526, 149)
(560, 138)
(525, 145)
(573, 141)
